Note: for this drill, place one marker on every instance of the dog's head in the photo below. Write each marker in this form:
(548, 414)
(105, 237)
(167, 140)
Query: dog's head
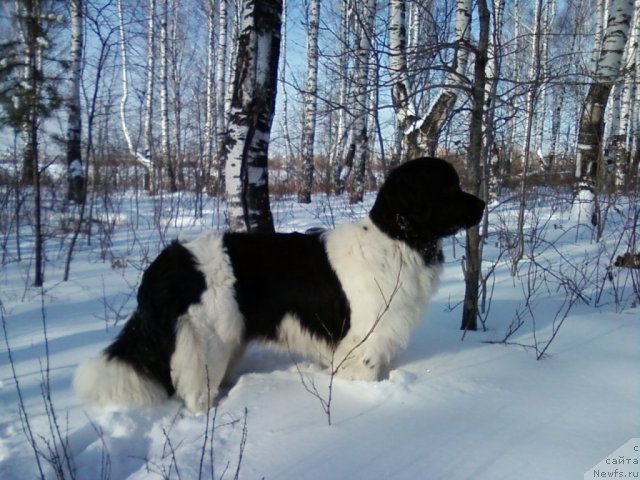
(421, 201)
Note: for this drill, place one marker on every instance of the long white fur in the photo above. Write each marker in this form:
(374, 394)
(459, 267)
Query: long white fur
(388, 286)
(112, 383)
(209, 335)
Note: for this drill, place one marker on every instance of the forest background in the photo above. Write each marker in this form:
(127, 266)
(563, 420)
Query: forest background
(165, 96)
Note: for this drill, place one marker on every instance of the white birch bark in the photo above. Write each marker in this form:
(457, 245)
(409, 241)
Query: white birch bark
(220, 83)
(147, 125)
(341, 133)
(547, 17)
(310, 103)
(251, 116)
(606, 73)
(133, 151)
(600, 16)
(494, 67)
(441, 109)
(75, 171)
(620, 144)
(175, 63)
(290, 154)
(165, 140)
(209, 135)
(400, 90)
(421, 134)
(635, 128)
(536, 79)
(361, 134)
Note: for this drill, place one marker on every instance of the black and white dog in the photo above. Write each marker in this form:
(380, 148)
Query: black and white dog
(318, 294)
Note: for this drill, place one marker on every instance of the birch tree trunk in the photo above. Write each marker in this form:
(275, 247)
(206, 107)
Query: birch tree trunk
(251, 116)
(341, 134)
(634, 170)
(210, 116)
(133, 151)
(455, 81)
(541, 51)
(175, 62)
(310, 103)
(536, 79)
(472, 262)
(591, 126)
(600, 16)
(75, 171)
(619, 142)
(147, 130)
(421, 134)
(220, 79)
(290, 153)
(494, 69)
(165, 140)
(361, 110)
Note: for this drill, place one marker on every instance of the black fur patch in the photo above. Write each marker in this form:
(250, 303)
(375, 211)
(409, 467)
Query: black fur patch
(147, 341)
(283, 274)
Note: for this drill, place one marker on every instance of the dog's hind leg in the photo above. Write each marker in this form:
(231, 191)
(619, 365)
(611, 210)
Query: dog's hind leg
(198, 364)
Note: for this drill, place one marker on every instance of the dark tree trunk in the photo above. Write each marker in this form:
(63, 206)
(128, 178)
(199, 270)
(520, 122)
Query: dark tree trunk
(474, 162)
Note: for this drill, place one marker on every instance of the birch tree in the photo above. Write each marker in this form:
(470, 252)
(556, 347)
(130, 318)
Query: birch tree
(536, 80)
(310, 103)
(454, 81)
(361, 134)
(220, 79)
(622, 124)
(165, 139)
(124, 97)
(75, 172)
(251, 117)
(421, 134)
(147, 125)
(634, 129)
(591, 128)
(494, 72)
(338, 156)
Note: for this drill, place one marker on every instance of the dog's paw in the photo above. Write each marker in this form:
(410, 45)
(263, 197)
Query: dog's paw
(359, 368)
(198, 403)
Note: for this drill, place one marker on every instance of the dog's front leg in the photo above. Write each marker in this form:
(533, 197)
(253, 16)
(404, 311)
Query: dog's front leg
(357, 360)
(198, 365)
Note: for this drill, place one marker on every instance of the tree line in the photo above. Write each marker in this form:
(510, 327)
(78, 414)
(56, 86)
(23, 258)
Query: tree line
(212, 96)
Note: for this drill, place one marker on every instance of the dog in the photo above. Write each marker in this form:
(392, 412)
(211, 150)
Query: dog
(346, 298)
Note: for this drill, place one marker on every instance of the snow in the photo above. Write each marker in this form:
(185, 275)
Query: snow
(449, 409)
(75, 169)
(583, 207)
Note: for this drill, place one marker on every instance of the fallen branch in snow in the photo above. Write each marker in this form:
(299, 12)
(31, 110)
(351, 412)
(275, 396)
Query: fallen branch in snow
(628, 260)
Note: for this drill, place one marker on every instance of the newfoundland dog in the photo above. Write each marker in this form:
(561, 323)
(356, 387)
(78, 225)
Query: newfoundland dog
(347, 298)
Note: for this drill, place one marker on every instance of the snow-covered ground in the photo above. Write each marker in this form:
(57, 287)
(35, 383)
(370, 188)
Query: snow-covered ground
(451, 408)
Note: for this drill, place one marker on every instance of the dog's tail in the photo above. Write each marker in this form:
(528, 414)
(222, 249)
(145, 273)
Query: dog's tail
(109, 382)
(126, 374)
